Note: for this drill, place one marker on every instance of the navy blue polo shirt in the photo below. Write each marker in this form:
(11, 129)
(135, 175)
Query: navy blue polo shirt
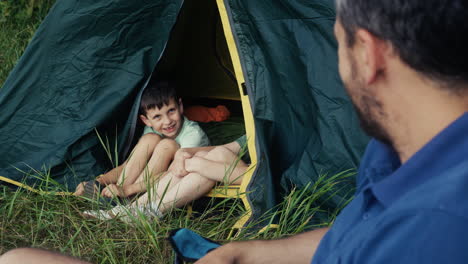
(416, 212)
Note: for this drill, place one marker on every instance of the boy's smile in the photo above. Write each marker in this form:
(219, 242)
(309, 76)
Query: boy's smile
(166, 120)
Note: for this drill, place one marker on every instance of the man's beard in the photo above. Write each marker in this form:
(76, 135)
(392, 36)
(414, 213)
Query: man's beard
(371, 125)
(368, 108)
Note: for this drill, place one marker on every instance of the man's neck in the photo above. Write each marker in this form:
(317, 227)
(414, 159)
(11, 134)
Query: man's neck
(420, 111)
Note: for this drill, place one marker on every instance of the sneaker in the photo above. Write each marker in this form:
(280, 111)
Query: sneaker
(133, 213)
(124, 213)
(105, 214)
(150, 211)
(97, 214)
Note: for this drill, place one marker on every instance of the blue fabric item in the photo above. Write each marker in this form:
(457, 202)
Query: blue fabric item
(189, 245)
(416, 212)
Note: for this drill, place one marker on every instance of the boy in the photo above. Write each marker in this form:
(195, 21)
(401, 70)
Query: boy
(194, 172)
(166, 131)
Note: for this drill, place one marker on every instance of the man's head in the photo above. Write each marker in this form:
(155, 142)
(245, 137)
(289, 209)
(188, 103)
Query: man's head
(162, 109)
(429, 37)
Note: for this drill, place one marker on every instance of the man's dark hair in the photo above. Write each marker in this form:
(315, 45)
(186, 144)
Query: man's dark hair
(157, 94)
(431, 36)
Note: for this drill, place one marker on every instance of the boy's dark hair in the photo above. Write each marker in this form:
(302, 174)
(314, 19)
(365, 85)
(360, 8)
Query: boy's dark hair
(157, 94)
(431, 36)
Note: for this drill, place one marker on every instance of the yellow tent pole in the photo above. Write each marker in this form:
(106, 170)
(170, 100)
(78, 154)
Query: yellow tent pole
(29, 188)
(247, 110)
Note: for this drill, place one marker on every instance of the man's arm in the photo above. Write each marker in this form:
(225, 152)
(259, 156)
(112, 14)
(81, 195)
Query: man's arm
(295, 249)
(37, 256)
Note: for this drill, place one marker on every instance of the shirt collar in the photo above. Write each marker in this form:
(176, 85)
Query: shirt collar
(379, 161)
(447, 149)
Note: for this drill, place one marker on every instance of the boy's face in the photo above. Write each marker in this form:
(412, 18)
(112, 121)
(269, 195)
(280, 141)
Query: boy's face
(167, 120)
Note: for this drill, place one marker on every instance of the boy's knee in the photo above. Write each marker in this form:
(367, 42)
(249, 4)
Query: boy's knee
(220, 153)
(150, 138)
(167, 145)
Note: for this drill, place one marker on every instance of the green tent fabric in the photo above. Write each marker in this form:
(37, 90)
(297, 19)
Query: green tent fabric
(305, 123)
(81, 71)
(86, 67)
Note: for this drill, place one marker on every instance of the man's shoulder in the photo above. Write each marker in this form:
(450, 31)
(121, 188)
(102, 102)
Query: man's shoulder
(418, 235)
(412, 235)
(446, 193)
(379, 160)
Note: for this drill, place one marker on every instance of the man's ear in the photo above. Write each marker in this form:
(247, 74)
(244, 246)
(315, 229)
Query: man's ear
(181, 106)
(370, 55)
(145, 120)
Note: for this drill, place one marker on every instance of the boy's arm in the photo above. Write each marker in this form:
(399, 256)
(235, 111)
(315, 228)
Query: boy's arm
(233, 146)
(193, 151)
(183, 153)
(177, 166)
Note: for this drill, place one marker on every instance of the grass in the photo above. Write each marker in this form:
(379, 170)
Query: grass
(54, 222)
(18, 22)
(29, 219)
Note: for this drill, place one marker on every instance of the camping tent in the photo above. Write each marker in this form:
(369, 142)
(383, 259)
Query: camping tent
(78, 85)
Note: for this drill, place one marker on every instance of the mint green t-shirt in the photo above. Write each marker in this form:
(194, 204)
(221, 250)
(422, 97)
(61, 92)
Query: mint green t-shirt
(190, 136)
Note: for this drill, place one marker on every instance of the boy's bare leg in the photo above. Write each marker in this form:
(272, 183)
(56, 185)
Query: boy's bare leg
(218, 165)
(33, 256)
(158, 163)
(175, 191)
(196, 184)
(166, 182)
(160, 160)
(172, 191)
(130, 169)
(140, 155)
(109, 177)
(189, 188)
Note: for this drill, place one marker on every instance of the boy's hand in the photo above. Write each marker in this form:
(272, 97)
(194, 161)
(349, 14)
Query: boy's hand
(177, 167)
(113, 190)
(195, 164)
